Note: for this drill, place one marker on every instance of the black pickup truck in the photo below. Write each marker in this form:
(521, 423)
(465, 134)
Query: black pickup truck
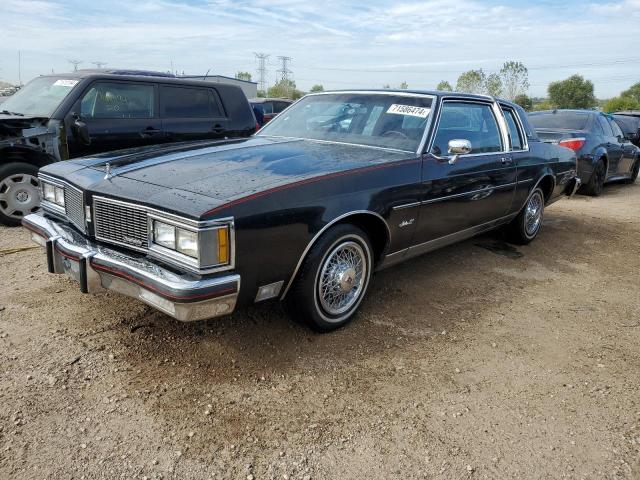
(58, 117)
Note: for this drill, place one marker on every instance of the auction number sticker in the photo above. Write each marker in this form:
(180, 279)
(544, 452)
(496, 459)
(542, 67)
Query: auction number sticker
(410, 110)
(65, 83)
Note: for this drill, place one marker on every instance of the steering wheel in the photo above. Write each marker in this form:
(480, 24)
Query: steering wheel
(395, 133)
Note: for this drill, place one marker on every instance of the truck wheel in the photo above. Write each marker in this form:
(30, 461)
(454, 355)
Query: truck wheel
(333, 280)
(525, 227)
(595, 185)
(19, 192)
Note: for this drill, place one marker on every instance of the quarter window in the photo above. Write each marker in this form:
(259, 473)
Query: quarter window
(605, 126)
(517, 142)
(182, 102)
(118, 100)
(467, 121)
(617, 132)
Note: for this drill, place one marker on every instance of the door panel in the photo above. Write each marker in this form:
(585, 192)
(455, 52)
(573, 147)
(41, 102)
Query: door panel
(477, 188)
(117, 115)
(627, 148)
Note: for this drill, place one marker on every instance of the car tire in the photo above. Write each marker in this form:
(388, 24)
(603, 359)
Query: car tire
(333, 279)
(19, 192)
(525, 227)
(634, 172)
(595, 185)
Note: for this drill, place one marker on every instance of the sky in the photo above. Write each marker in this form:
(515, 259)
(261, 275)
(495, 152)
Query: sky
(337, 44)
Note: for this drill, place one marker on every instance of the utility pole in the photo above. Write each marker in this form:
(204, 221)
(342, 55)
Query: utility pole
(262, 70)
(99, 65)
(19, 68)
(284, 72)
(75, 64)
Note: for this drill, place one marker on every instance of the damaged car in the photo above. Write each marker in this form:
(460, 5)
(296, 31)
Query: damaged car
(59, 117)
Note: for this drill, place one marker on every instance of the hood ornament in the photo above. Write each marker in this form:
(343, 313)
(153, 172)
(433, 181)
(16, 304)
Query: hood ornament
(107, 170)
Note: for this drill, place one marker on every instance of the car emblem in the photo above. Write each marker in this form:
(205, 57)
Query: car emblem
(132, 241)
(406, 223)
(107, 170)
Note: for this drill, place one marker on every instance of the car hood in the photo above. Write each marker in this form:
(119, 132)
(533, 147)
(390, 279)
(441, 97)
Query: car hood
(220, 171)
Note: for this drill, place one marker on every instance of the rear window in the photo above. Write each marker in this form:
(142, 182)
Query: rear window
(566, 120)
(183, 102)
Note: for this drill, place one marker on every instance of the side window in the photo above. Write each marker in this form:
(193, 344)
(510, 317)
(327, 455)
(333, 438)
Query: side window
(185, 102)
(118, 100)
(517, 142)
(267, 107)
(279, 106)
(617, 132)
(605, 126)
(467, 121)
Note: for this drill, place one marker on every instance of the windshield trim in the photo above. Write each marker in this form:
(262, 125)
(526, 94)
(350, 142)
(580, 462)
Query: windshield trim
(423, 140)
(375, 147)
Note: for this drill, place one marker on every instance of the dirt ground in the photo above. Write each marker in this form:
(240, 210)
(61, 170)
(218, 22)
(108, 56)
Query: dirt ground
(465, 363)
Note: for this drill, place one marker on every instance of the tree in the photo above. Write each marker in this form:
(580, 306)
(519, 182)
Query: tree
(632, 92)
(472, 81)
(285, 89)
(444, 86)
(515, 79)
(404, 85)
(317, 88)
(493, 85)
(524, 101)
(574, 92)
(243, 76)
(542, 106)
(617, 104)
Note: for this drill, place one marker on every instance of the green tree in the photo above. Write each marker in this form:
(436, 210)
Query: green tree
(542, 106)
(404, 85)
(444, 86)
(524, 101)
(317, 88)
(262, 94)
(472, 81)
(617, 104)
(515, 79)
(493, 85)
(574, 92)
(284, 89)
(632, 92)
(243, 76)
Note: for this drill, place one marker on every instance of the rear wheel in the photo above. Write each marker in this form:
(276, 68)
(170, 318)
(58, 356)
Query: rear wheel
(595, 185)
(525, 227)
(634, 171)
(19, 192)
(333, 280)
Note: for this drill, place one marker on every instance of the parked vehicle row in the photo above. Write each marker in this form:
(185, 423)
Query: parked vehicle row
(604, 152)
(338, 186)
(58, 117)
(269, 107)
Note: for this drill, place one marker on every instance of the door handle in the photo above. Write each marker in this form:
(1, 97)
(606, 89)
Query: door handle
(150, 132)
(506, 160)
(217, 128)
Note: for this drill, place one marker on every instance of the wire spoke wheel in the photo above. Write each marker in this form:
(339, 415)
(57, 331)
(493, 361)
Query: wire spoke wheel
(19, 195)
(342, 278)
(533, 213)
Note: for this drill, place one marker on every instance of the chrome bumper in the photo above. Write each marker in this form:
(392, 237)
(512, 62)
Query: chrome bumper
(185, 297)
(573, 186)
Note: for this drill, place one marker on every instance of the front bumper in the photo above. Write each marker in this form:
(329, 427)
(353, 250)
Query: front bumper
(573, 186)
(185, 297)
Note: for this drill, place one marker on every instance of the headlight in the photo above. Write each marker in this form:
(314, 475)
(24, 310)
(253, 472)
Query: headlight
(210, 247)
(53, 193)
(187, 242)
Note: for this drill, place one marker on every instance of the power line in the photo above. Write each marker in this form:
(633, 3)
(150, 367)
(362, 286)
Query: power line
(262, 70)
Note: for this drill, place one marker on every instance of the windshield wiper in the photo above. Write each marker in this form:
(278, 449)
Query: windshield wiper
(7, 112)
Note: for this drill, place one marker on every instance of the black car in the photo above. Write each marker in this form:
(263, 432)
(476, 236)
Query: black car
(604, 152)
(270, 107)
(630, 126)
(339, 185)
(57, 117)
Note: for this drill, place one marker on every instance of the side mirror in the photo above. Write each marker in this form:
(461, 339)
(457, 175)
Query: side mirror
(80, 130)
(458, 147)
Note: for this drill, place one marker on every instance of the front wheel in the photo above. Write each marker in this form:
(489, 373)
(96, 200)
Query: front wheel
(333, 280)
(525, 227)
(19, 192)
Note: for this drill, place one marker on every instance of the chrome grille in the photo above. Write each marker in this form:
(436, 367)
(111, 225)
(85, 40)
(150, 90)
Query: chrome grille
(120, 223)
(74, 206)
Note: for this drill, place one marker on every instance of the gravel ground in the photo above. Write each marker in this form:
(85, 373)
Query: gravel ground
(469, 362)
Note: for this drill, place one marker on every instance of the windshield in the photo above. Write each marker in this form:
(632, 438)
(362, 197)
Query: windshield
(40, 97)
(374, 119)
(559, 119)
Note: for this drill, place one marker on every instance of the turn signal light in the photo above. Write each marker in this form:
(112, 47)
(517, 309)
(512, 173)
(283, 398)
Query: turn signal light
(223, 245)
(574, 144)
